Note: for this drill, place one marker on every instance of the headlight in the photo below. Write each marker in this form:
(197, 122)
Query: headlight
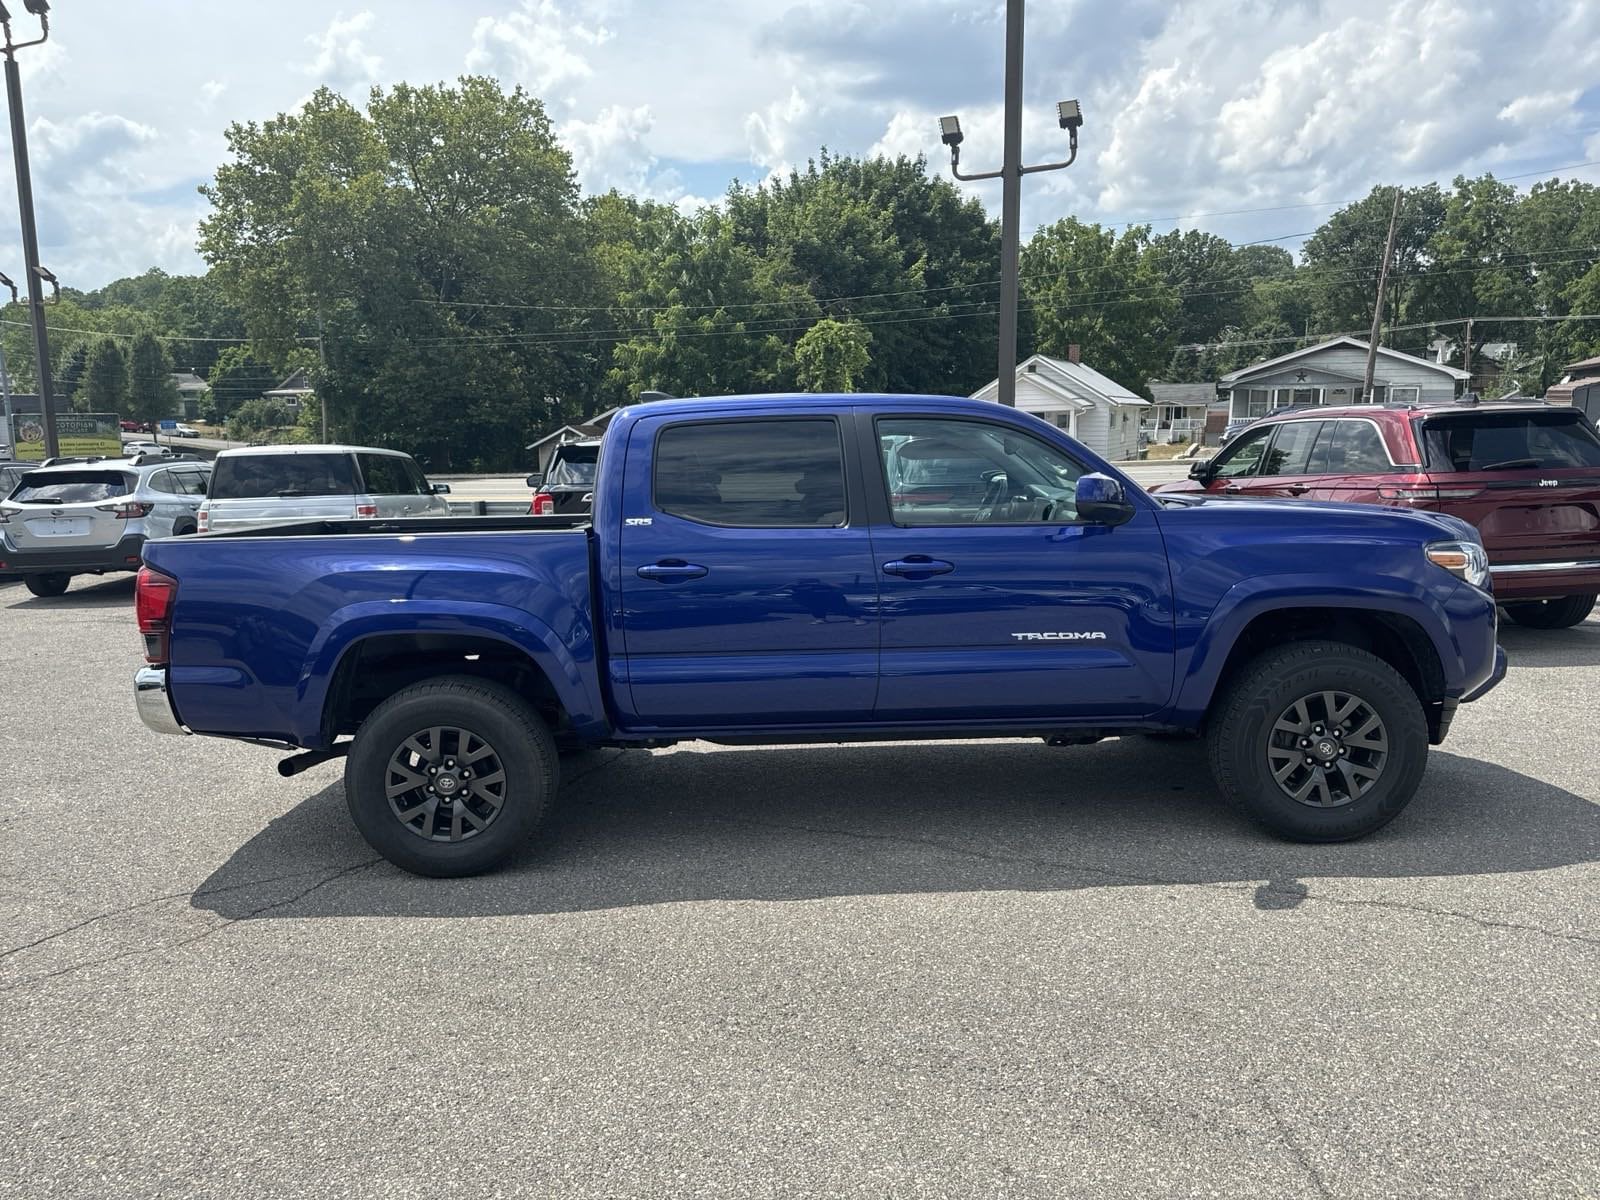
(1464, 560)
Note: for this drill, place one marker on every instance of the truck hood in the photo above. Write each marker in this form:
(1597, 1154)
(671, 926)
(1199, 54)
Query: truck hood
(1312, 514)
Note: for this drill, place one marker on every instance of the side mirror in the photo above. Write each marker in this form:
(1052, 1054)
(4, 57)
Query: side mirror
(441, 489)
(1200, 470)
(1101, 500)
(535, 480)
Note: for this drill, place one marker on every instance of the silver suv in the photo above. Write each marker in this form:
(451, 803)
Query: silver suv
(93, 515)
(272, 485)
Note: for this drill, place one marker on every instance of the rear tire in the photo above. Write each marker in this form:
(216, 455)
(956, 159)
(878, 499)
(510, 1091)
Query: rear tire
(52, 584)
(437, 732)
(1561, 613)
(1271, 736)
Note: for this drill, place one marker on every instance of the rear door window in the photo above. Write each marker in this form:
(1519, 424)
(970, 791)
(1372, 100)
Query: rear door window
(1291, 449)
(1507, 441)
(165, 481)
(385, 475)
(1357, 449)
(265, 476)
(72, 487)
(752, 474)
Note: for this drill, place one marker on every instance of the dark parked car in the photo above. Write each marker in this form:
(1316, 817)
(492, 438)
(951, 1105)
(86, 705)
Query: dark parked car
(567, 485)
(1527, 476)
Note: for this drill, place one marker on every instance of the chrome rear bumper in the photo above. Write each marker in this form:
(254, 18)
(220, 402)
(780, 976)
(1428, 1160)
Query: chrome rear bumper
(1574, 566)
(153, 702)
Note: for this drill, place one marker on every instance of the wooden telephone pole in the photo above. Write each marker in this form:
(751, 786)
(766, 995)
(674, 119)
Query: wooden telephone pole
(1377, 306)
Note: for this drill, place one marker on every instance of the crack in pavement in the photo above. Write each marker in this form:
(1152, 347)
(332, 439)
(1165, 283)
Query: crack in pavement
(1295, 1152)
(203, 934)
(148, 903)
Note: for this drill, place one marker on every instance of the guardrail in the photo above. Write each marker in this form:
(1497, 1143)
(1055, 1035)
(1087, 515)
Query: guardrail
(488, 508)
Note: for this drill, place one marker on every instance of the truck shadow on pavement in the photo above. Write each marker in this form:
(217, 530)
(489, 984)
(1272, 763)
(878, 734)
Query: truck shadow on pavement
(116, 592)
(633, 828)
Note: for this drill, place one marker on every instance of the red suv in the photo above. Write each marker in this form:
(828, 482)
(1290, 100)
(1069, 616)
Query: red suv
(1528, 477)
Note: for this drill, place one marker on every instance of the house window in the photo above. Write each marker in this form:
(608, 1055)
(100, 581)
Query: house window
(1406, 395)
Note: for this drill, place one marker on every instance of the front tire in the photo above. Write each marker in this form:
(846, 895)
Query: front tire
(450, 777)
(53, 584)
(1561, 613)
(1319, 742)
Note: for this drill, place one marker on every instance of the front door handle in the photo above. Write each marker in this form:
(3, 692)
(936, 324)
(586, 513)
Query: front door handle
(670, 570)
(1296, 489)
(918, 566)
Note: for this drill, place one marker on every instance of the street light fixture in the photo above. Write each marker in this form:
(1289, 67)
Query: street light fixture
(1070, 117)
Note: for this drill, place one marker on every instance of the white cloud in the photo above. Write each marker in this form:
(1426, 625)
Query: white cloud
(210, 91)
(538, 46)
(343, 60)
(771, 131)
(610, 151)
(1542, 107)
(88, 145)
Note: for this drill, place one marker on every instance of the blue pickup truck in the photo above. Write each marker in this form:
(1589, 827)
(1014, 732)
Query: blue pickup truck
(771, 569)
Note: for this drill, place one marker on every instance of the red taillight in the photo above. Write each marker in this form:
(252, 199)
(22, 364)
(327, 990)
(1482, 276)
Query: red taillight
(1426, 494)
(203, 521)
(126, 509)
(153, 597)
(366, 510)
(544, 505)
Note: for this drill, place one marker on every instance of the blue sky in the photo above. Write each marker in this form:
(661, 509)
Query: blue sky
(1191, 106)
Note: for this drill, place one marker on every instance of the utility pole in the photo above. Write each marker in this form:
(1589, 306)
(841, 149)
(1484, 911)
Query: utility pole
(1010, 175)
(1377, 305)
(322, 396)
(30, 233)
(1466, 354)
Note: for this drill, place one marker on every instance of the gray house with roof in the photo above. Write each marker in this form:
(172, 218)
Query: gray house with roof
(1334, 372)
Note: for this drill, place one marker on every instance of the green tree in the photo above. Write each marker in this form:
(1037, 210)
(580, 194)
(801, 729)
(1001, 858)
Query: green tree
(1473, 268)
(105, 379)
(1088, 285)
(152, 396)
(434, 240)
(69, 374)
(1343, 258)
(832, 355)
(704, 314)
(238, 376)
(255, 418)
(1209, 278)
(882, 241)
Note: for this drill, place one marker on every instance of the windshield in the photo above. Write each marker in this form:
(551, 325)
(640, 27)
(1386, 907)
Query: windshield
(71, 487)
(1509, 441)
(263, 476)
(573, 467)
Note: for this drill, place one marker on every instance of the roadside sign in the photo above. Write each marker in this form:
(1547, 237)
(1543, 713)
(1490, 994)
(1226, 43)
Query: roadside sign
(79, 435)
(169, 423)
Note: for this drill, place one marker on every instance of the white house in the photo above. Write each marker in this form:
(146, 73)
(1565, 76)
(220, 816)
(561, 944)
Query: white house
(1334, 372)
(1099, 412)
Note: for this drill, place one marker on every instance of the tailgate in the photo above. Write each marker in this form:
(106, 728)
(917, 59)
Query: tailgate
(62, 510)
(1529, 480)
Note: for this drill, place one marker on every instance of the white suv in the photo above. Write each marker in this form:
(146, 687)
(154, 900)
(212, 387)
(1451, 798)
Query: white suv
(93, 515)
(275, 485)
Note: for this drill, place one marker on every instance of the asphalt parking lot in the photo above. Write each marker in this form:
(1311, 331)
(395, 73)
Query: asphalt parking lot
(977, 969)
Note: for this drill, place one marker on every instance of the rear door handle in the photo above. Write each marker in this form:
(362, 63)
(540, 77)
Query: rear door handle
(1297, 489)
(670, 570)
(918, 566)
